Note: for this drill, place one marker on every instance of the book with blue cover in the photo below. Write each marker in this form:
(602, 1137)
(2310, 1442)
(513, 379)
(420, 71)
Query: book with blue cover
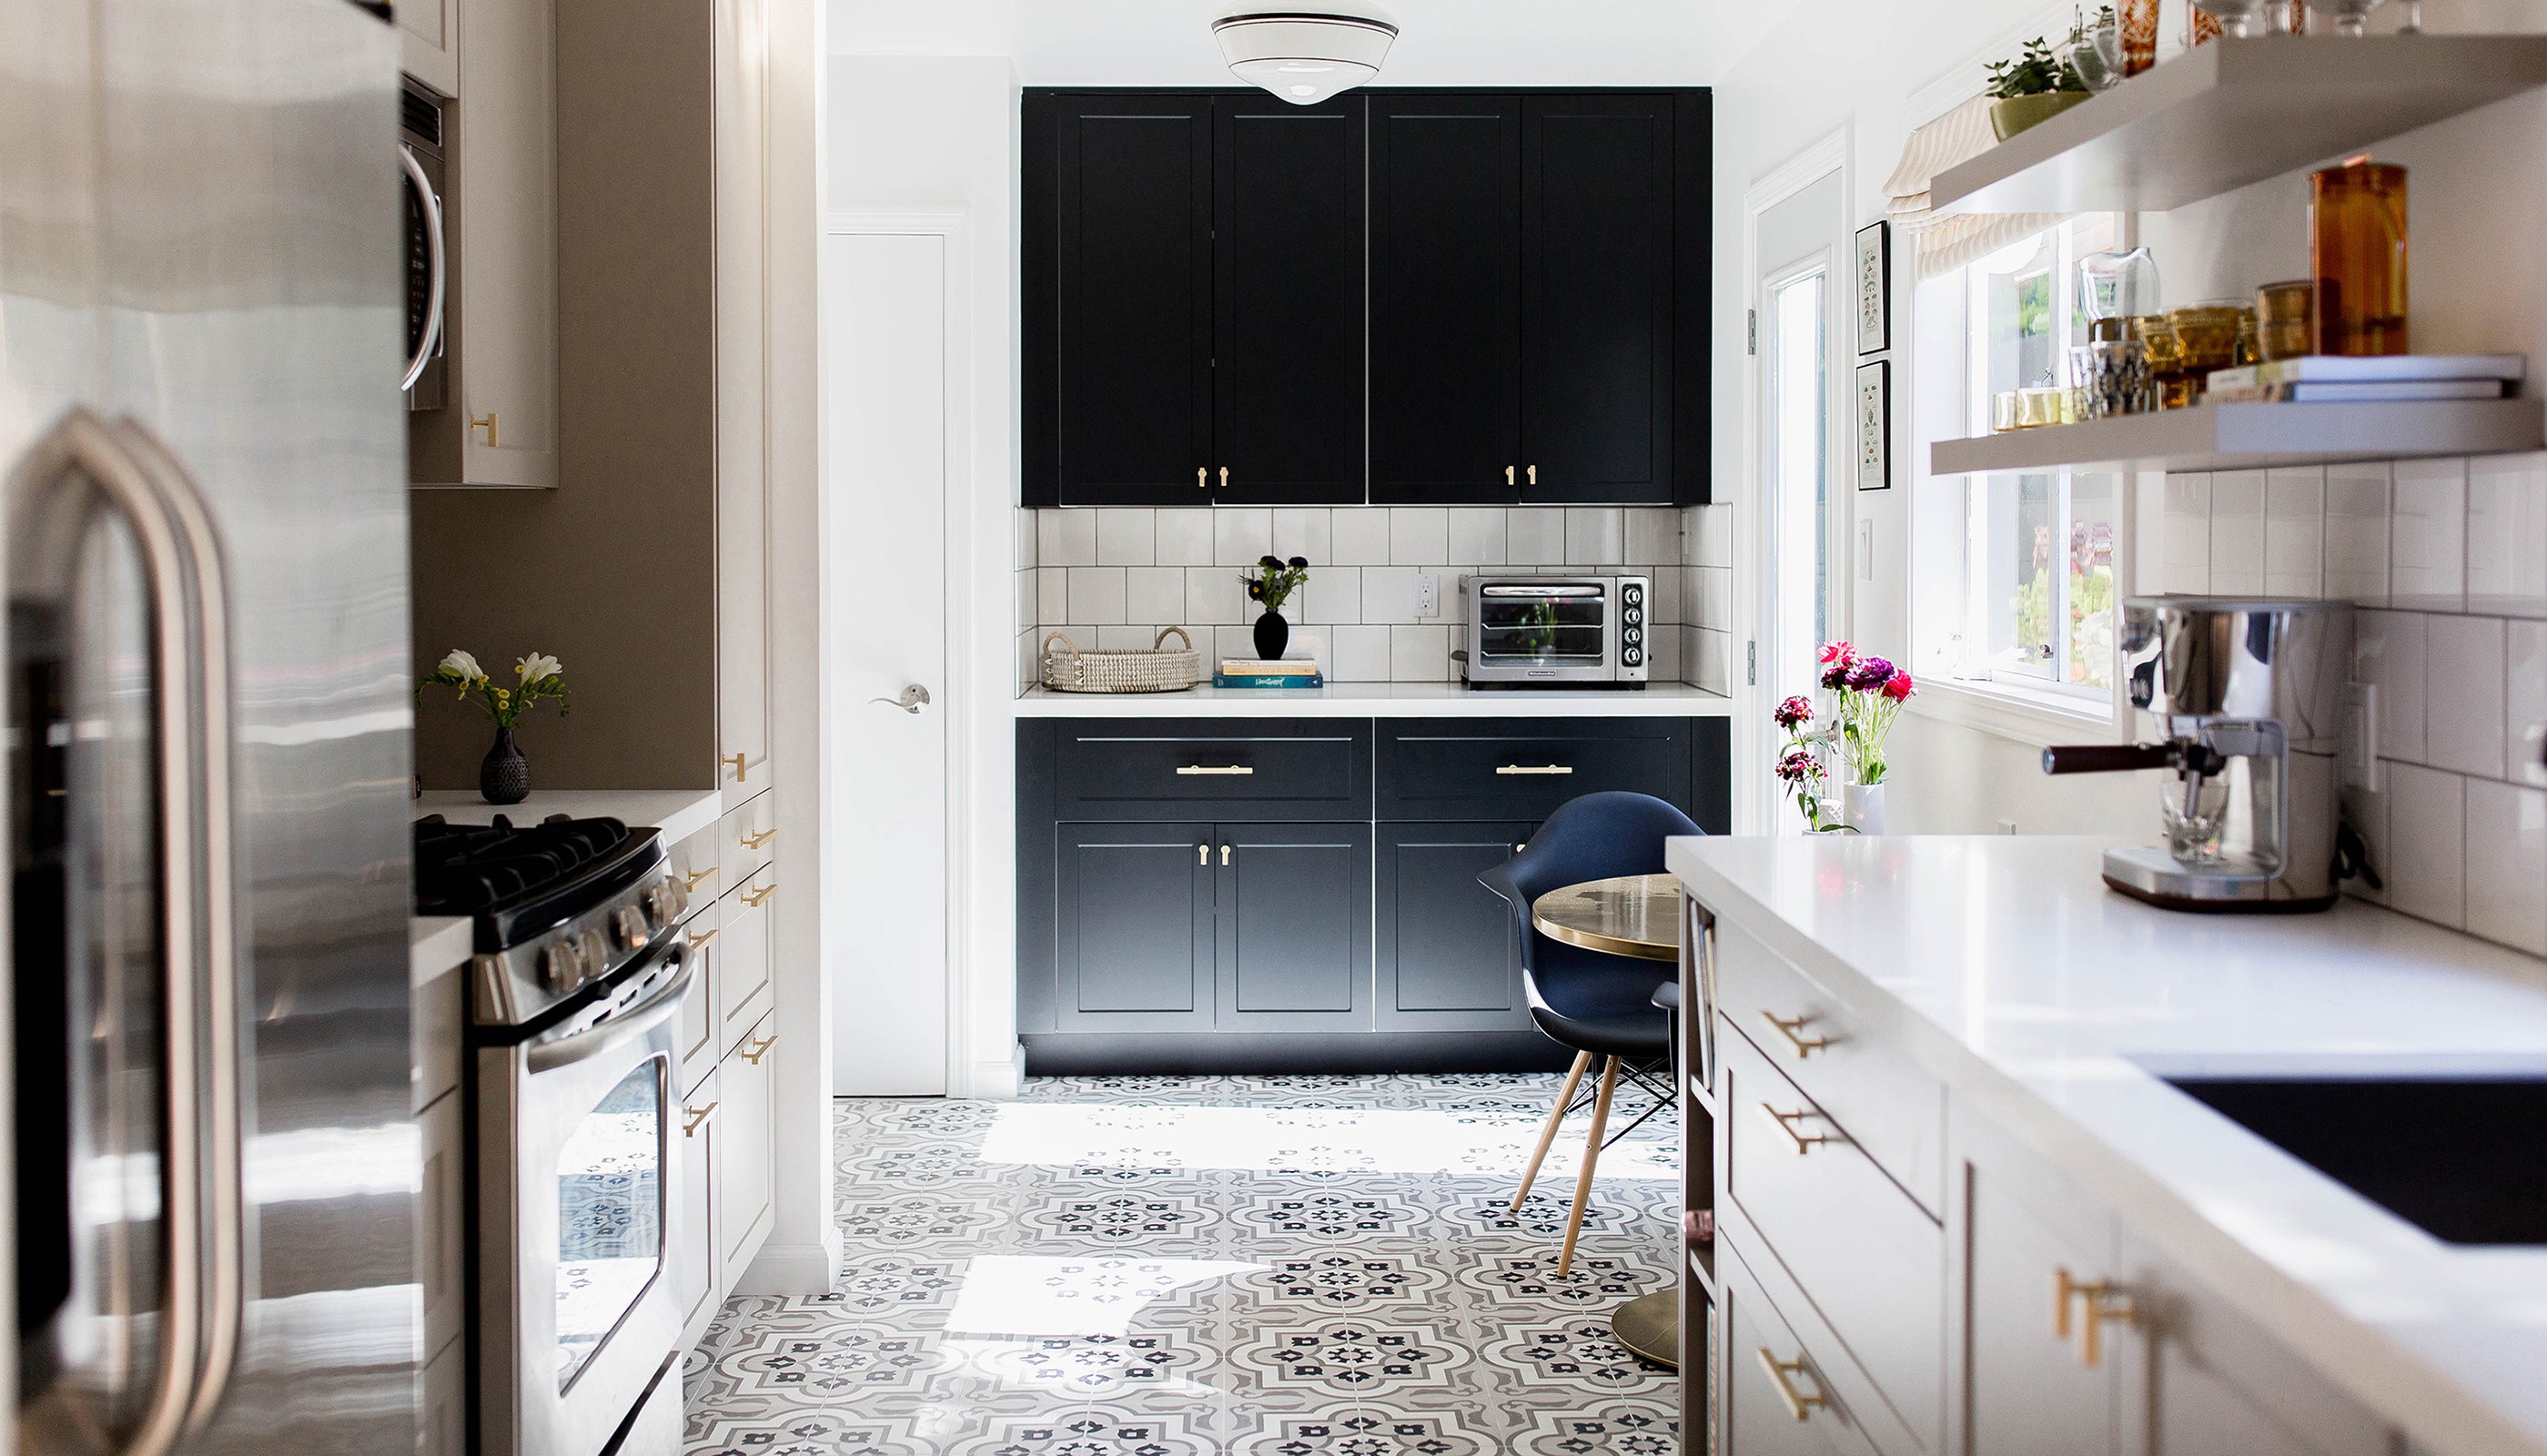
(1288, 672)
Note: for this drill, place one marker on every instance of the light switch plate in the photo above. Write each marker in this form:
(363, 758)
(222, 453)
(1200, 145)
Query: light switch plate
(2361, 735)
(1428, 594)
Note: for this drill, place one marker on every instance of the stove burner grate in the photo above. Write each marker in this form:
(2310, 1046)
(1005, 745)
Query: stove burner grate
(471, 869)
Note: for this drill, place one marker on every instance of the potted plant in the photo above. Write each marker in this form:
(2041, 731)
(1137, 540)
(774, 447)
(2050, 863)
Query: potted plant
(2032, 89)
(1271, 587)
(505, 776)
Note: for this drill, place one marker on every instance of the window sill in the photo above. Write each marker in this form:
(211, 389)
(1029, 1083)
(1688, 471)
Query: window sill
(2038, 719)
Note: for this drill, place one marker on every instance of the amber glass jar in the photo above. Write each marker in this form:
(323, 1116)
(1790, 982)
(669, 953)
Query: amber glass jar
(2283, 316)
(2165, 355)
(2136, 21)
(2357, 257)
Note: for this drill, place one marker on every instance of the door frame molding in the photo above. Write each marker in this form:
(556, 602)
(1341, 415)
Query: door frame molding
(1755, 797)
(960, 695)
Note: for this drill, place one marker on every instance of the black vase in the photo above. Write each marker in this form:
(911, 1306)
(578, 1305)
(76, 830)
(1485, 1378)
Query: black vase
(505, 776)
(1272, 635)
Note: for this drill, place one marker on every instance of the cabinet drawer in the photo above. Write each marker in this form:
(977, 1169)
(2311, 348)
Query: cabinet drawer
(740, 1158)
(1891, 1109)
(694, 862)
(697, 1041)
(1515, 768)
(1759, 1417)
(441, 1261)
(746, 839)
(743, 958)
(695, 1266)
(1240, 769)
(1867, 1258)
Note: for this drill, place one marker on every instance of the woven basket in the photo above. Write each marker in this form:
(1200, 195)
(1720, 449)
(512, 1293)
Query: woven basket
(1158, 671)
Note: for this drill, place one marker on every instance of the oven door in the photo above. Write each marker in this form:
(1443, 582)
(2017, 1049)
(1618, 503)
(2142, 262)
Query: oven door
(1533, 631)
(577, 1184)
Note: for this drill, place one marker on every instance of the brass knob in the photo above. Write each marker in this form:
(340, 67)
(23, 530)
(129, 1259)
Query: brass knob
(1533, 474)
(1508, 474)
(1224, 478)
(1203, 478)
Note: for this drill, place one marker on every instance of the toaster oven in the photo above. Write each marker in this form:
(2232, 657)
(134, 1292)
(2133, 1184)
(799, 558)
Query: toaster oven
(1554, 630)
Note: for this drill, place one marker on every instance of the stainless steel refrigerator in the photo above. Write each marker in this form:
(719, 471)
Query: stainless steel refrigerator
(213, 1173)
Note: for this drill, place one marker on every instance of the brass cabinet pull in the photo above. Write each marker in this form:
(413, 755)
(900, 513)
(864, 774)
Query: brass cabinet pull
(1533, 474)
(1508, 474)
(758, 1049)
(1203, 854)
(1224, 478)
(1532, 770)
(755, 841)
(1224, 856)
(738, 761)
(1203, 478)
(1791, 1030)
(757, 898)
(1798, 1405)
(695, 1118)
(1785, 1122)
(697, 878)
(487, 423)
(1231, 770)
(699, 938)
(2104, 1300)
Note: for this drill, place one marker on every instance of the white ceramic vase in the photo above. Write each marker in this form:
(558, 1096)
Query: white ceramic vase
(1861, 808)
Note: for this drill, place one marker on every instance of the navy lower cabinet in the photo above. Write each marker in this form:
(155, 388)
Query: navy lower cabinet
(1270, 895)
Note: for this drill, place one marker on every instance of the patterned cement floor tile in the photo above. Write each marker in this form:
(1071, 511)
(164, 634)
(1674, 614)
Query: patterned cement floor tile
(1208, 1266)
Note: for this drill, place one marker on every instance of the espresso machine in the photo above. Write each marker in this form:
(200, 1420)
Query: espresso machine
(2247, 697)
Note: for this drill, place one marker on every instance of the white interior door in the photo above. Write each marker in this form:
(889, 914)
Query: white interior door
(885, 388)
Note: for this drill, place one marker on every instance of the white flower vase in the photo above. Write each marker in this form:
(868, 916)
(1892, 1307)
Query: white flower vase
(1861, 808)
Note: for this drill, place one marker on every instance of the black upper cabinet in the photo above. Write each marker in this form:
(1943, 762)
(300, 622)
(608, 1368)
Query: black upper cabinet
(1287, 261)
(1530, 270)
(1118, 294)
(1446, 299)
(1597, 266)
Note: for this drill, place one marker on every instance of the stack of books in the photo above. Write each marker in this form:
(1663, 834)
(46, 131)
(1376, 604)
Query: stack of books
(1256, 672)
(2329, 378)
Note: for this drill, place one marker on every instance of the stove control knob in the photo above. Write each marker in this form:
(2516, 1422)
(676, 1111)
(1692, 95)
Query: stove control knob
(597, 953)
(632, 930)
(663, 904)
(562, 965)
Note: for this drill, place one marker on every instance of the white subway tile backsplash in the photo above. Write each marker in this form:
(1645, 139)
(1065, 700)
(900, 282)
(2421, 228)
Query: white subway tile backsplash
(1241, 535)
(1095, 595)
(1594, 536)
(2463, 691)
(1416, 535)
(1118, 638)
(1669, 601)
(1536, 534)
(1213, 597)
(1418, 653)
(1128, 537)
(2525, 708)
(1712, 669)
(2506, 535)
(2428, 535)
(1715, 605)
(2237, 533)
(1331, 595)
(2388, 655)
(2426, 868)
(1185, 535)
(1388, 594)
(2357, 533)
(1029, 601)
(1663, 652)
(1155, 594)
(2185, 552)
(1714, 536)
(2506, 864)
(2295, 532)
(1361, 654)
(1052, 593)
(1476, 536)
(1652, 536)
(1304, 532)
(1066, 538)
(1360, 535)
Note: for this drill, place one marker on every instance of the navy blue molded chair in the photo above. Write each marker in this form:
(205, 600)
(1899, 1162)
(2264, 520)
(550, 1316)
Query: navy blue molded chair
(1600, 1004)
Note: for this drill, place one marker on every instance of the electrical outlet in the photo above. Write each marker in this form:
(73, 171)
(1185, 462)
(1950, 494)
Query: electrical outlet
(2361, 735)
(1428, 594)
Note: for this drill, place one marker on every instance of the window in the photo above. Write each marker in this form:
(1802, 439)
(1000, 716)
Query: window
(1798, 400)
(2027, 599)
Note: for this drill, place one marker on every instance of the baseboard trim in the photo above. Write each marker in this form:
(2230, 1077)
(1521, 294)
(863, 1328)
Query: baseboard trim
(997, 1081)
(793, 1268)
(1209, 1054)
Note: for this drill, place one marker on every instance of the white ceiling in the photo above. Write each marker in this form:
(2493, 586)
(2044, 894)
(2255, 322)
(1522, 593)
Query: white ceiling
(1441, 43)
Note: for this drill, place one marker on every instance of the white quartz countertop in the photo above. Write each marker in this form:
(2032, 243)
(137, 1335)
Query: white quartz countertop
(435, 944)
(2005, 967)
(1383, 700)
(678, 813)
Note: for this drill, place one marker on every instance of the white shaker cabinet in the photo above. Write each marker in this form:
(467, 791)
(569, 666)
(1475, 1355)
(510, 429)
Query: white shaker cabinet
(429, 43)
(740, 68)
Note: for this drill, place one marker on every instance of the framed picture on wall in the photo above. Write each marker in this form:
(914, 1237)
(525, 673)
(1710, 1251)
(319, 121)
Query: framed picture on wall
(1875, 287)
(1875, 425)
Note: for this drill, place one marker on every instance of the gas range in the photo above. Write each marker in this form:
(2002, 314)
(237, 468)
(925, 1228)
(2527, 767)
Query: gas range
(560, 906)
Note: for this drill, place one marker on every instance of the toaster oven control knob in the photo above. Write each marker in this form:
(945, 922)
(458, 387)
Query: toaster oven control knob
(1632, 656)
(1634, 636)
(562, 965)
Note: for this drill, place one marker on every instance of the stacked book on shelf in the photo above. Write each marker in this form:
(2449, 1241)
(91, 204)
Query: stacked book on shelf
(1258, 672)
(2331, 379)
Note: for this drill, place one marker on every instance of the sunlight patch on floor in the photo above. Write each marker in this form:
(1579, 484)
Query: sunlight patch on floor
(1020, 1294)
(1292, 1139)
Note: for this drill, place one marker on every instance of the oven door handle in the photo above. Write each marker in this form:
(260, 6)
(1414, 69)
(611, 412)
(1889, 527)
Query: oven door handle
(619, 1030)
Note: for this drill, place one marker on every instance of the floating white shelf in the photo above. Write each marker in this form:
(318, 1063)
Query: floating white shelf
(2231, 437)
(2235, 112)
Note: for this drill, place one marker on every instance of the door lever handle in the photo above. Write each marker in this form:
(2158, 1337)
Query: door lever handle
(913, 699)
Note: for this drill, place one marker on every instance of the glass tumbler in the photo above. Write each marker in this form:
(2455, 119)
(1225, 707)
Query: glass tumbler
(2357, 257)
(2283, 314)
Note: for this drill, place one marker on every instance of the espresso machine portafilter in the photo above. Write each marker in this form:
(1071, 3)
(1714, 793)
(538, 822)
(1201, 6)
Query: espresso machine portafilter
(2247, 699)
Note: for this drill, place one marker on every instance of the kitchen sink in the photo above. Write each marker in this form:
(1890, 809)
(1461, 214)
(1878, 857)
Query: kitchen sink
(2460, 1159)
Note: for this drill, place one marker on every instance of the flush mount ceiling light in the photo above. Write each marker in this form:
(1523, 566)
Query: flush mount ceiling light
(1304, 58)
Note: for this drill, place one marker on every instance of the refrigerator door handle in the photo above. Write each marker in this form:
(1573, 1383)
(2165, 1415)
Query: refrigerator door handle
(202, 1211)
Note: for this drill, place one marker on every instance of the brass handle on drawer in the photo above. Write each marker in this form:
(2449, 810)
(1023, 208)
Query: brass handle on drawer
(1785, 1122)
(1203, 478)
(1224, 478)
(700, 938)
(490, 424)
(738, 761)
(1203, 855)
(1533, 474)
(1532, 770)
(1213, 770)
(1798, 1405)
(755, 841)
(759, 897)
(1805, 1046)
(696, 1118)
(1508, 474)
(697, 878)
(758, 1049)
(2104, 1300)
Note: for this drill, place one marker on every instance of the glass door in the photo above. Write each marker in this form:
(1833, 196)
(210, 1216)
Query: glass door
(1795, 342)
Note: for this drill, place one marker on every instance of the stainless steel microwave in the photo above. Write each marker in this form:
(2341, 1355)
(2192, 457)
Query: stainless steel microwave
(1555, 630)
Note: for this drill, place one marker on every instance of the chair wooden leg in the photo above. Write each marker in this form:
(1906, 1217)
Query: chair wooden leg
(1547, 1135)
(1591, 1160)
